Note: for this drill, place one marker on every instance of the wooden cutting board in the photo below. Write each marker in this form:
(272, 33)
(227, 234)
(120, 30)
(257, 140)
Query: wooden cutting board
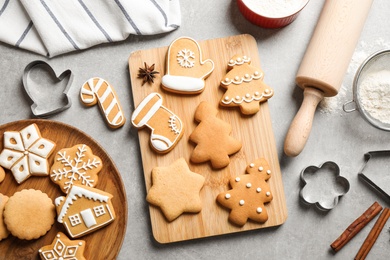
(104, 243)
(255, 132)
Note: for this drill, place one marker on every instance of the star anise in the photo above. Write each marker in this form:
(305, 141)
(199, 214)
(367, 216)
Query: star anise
(147, 74)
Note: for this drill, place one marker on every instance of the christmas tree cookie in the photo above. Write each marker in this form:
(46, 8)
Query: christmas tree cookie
(245, 86)
(248, 194)
(212, 138)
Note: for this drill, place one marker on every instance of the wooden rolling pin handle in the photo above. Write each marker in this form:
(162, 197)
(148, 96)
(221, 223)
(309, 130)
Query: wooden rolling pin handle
(300, 127)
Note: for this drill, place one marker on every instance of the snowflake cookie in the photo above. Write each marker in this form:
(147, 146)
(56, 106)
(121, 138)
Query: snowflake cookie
(75, 165)
(63, 248)
(248, 194)
(25, 153)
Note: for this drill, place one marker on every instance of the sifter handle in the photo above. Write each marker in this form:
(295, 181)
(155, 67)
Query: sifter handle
(300, 127)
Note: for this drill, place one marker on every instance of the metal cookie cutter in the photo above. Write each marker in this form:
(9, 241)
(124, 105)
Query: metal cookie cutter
(323, 186)
(379, 61)
(375, 171)
(49, 109)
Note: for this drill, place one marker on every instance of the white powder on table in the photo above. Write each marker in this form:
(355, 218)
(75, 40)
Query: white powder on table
(275, 8)
(374, 95)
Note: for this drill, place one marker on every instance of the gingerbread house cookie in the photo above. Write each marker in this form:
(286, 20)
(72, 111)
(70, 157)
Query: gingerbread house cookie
(84, 210)
(25, 153)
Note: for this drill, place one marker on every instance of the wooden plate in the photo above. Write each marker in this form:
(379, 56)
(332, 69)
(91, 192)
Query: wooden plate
(255, 132)
(104, 243)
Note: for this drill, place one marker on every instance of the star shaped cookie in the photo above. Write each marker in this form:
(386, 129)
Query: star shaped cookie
(175, 189)
(63, 248)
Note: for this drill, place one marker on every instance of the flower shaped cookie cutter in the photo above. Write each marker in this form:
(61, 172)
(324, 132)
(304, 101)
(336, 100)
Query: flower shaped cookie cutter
(323, 185)
(34, 94)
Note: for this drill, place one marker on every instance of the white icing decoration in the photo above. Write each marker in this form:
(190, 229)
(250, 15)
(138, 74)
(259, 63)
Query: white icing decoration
(268, 172)
(60, 251)
(248, 185)
(239, 100)
(75, 169)
(258, 190)
(88, 218)
(227, 196)
(227, 98)
(268, 194)
(239, 61)
(261, 169)
(238, 179)
(186, 58)
(259, 210)
(172, 124)
(252, 165)
(91, 89)
(242, 202)
(25, 153)
(182, 83)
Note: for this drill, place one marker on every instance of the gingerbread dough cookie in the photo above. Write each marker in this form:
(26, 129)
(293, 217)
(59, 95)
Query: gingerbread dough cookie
(175, 189)
(75, 165)
(185, 68)
(29, 214)
(166, 127)
(245, 86)
(248, 194)
(212, 138)
(63, 248)
(2, 174)
(3, 229)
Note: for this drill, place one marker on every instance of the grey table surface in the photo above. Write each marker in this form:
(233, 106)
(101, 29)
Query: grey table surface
(336, 136)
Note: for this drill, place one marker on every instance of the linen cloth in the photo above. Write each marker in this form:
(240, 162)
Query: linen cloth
(53, 27)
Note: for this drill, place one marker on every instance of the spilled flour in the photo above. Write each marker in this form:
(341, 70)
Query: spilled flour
(334, 105)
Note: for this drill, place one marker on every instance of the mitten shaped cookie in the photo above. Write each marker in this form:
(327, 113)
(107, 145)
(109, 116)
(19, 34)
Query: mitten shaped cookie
(245, 86)
(185, 67)
(212, 138)
(167, 128)
(248, 194)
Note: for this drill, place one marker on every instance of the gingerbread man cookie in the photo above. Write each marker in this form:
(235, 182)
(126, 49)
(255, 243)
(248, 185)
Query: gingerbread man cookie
(248, 194)
(245, 86)
(167, 128)
(212, 138)
(185, 68)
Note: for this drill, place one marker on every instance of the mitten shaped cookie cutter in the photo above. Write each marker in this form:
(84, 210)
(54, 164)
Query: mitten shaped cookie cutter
(67, 74)
(323, 186)
(375, 171)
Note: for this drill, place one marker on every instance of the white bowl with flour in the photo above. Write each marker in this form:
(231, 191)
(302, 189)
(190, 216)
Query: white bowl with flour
(271, 13)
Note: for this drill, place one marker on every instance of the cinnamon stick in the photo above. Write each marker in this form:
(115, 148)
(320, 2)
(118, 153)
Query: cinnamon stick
(373, 235)
(356, 226)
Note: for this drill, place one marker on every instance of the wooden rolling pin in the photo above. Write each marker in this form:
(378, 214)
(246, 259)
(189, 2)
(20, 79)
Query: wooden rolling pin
(325, 62)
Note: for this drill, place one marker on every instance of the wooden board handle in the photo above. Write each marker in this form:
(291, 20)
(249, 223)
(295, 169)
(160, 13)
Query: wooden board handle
(300, 127)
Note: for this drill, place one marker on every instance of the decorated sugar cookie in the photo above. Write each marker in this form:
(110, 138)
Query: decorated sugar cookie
(98, 90)
(248, 194)
(175, 189)
(245, 86)
(212, 138)
(84, 210)
(167, 128)
(185, 68)
(75, 165)
(25, 153)
(63, 248)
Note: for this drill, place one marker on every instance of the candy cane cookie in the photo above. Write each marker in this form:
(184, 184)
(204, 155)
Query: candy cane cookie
(97, 90)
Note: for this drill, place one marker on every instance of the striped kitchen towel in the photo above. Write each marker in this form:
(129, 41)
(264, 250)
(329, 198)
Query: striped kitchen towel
(53, 27)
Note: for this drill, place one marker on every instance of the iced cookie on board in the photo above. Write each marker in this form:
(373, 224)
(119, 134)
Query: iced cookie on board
(244, 85)
(97, 90)
(75, 165)
(84, 210)
(248, 194)
(212, 138)
(175, 189)
(25, 153)
(63, 248)
(29, 214)
(167, 128)
(185, 68)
